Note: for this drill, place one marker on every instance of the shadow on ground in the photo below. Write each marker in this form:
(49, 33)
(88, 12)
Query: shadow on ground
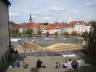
(34, 70)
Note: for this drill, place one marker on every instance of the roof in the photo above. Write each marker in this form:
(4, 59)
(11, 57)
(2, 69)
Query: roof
(76, 22)
(50, 26)
(33, 25)
(17, 25)
(53, 26)
(29, 25)
(6, 2)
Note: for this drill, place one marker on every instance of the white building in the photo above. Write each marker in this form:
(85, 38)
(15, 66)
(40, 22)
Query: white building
(51, 28)
(53, 31)
(4, 32)
(79, 28)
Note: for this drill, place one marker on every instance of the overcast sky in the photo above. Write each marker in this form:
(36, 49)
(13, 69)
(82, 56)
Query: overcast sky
(52, 10)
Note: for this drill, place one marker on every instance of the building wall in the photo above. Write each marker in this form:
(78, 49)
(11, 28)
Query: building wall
(4, 33)
(79, 28)
(35, 30)
(63, 29)
(44, 31)
(70, 30)
(12, 25)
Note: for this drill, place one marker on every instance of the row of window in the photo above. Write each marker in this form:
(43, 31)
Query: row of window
(3, 25)
(4, 41)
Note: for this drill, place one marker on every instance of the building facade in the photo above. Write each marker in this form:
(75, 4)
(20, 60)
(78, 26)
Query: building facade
(4, 31)
(80, 28)
(61, 28)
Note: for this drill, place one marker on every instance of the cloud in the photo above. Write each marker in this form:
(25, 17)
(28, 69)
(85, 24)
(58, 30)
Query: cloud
(46, 18)
(34, 16)
(13, 14)
(75, 11)
(56, 8)
(50, 10)
(90, 4)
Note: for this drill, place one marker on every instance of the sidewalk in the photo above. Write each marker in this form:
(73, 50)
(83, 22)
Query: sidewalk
(48, 61)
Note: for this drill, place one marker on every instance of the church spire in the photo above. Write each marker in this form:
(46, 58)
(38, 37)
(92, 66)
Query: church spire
(30, 19)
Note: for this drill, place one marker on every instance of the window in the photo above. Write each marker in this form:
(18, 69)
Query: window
(0, 41)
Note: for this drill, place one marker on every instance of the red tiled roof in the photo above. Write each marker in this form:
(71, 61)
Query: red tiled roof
(28, 25)
(17, 25)
(33, 25)
(50, 26)
(53, 26)
(75, 22)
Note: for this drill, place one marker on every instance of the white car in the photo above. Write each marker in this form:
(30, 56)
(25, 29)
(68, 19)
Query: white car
(15, 39)
(69, 55)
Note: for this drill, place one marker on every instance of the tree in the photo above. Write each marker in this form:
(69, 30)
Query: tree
(39, 32)
(85, 34)
(66, 34)
(46, 23)
(47, 34)
(56, 33)
(28, 31)
(14, 31)
(74, 33)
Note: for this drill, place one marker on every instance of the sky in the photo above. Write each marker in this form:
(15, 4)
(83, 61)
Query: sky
(52, 10)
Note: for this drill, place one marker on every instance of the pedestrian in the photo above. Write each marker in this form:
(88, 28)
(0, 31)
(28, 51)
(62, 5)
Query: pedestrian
(74, 64)
(80, 62)
(57, 65)
(65, 64)
(15, 64)
(25, 65)
(69, 63)
(39, 63)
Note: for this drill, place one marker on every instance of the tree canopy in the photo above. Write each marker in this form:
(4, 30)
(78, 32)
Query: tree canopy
(28, 31)
(14, 31)
(85, 34)
(74, 33)
(46, 23)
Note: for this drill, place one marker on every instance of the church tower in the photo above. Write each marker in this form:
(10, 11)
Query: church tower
(30, 19)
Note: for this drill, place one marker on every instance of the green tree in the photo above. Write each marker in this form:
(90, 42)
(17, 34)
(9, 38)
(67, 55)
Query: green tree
(85, 34)
(46, 23)
(28, 31)
(56, 33)
(74, 33)
(14, 31)
(66, 33)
